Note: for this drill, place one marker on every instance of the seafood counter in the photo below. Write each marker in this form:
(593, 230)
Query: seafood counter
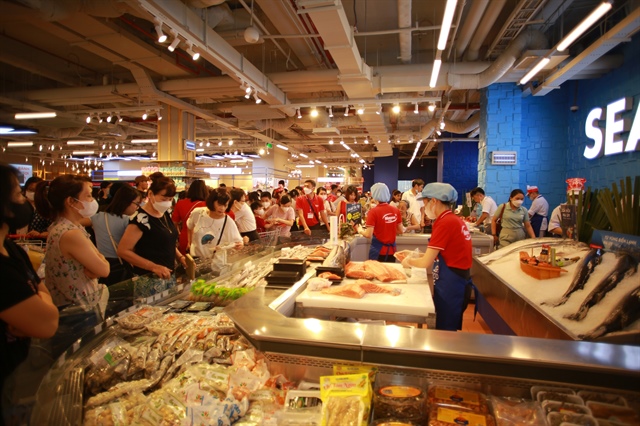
(563, 289)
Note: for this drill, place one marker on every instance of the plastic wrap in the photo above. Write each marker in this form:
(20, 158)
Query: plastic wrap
(400, 402)
(457, 398)
(517, 412)
(447, 416)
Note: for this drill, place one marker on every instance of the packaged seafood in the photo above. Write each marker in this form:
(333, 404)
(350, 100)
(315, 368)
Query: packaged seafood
(346, 400)
(142, 316)
(446, 416)
(457, 398)
(556, 419)
(559, 397)
(401, 402)
(556, 389)
(614, 413)
(607, 398)
(510, 411)
(180, 305)
(564, 407)
(392, 422)
(168, 323)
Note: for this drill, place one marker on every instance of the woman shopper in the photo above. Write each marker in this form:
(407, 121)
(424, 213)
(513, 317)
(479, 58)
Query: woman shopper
(449, 252)
(26, 307)
(109, 226)
(514, 221)
(409, 221)
(396, 197)
(383, 223)
(244, 218)
(149, 242)
(196, 197)
(258, 212)
(38, 227)
(72, 263)
(281, 216)
(350, 197)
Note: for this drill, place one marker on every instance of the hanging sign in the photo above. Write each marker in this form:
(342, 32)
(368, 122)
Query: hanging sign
(607, 141)
(189, 145)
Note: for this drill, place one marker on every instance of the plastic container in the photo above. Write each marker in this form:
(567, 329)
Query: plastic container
(291, 265)
(400, 402)
(510, 411)
(559, 397)
(564, 407)
(556, 419)
(441, 416)
(455, 397)
(606, 398)
(613, 413)
(536, 389)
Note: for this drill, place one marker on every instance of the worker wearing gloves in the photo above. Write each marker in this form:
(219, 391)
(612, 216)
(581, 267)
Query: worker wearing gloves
(383, 222)
(450, 253)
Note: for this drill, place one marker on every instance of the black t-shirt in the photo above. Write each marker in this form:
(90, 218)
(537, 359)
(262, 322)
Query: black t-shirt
(19, 282)
(158, 241)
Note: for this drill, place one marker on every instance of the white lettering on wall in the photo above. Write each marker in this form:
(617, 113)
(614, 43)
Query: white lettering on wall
(607, 141)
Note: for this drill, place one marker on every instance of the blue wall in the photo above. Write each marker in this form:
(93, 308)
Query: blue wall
(459, 160)
(386, 171)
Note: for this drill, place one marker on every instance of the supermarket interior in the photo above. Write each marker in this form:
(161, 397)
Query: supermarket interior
(320, 212)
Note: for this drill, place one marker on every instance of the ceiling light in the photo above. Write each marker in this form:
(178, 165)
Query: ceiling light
(230, 142)
(31, 115)
(583, 26)
(83, 152)
(379, 110)
(346, 111)
(330, 141)
(159, 114)
(438, 132)
(314, 112)
(298, 113)
(19, 144)
(442, 124)
(447, 19)
(109, 117)
(88, 120)
(191, 51)
(145, 115)
(200, 150)
(330, 112)
(117, 145)
(104, 146)
(201, 143)
(415, 110)
(208, 144)
(144, 140)
(304, 155)
(219, 143)
(119, 118)
(360, 110)
(396, 109)
(318, 161)
(355, 141)
(341, 142)
(366, 140)
(261, 152)
(134, 151)
(175, 42)
(543, 62)
(310, 161)
(87, 142)
(161, 36)
(257, 98)
(247, 92)
(434, 72)
(432, 107)
(282, 147)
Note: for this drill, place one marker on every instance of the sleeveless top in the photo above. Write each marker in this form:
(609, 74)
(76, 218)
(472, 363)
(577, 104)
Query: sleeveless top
(65, 277)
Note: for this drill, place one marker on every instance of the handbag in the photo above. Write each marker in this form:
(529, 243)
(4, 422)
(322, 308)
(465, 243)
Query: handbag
(121, 271)
(499, 221)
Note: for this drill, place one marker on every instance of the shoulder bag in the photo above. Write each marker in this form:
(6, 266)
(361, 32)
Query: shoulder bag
(499, 220)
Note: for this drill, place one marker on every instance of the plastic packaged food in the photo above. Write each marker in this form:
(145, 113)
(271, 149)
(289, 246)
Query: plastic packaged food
(606, 398)
(516, 411)
(537, 389)
(564, 407)
(556, 419)
(180, 305)
(453, 397)
(138, 319)
(346, 400)
(392, 422)
(400, 402)
(446, 416)
(199, 306)
(613, 413)
(559, 397)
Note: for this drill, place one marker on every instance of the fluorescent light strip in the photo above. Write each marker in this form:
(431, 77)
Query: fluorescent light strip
(30, 115)
(282, 147)
(19, 144)
(83, 152)
(415, 151)
(447, 19)
(134, 151)
(304, 166)
(434, 72)
(80, 142)
(543, 62)
(583, 26)
(144, 140)
(197, 150)
(18, 132)
(304, 155)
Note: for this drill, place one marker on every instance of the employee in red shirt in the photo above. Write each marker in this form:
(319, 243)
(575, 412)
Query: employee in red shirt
(310, 209)
(450, 253)
(383, 222)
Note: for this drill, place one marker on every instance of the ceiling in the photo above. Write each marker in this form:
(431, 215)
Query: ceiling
(82, 58)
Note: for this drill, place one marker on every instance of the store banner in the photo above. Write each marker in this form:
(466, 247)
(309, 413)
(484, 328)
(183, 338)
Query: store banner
(614, 242)
(568, 220)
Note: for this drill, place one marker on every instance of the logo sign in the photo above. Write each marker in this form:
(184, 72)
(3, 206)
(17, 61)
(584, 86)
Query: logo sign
(607, 141)
(354, 213)
(25, 171)
(189, 145)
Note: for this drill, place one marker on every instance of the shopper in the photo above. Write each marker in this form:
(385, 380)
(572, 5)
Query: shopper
(72, 263)
(109, 226)
(39, 225)
(396, 197)
(265, 199)
(538, 211)
(280, 190)
(244, 218)
(281, 216)
(332, 196)
(258, 214)
(142, 185)
(409, 221)
(383, 224)
(26, 307)
(328, 207)
(450, 253)
(350, 197)
(514, 220)
(489, 208)
(310, 209)
(209, 227)
(149, 242)
(196, 196)
(411, 196)
(103, 195)
(293, 196)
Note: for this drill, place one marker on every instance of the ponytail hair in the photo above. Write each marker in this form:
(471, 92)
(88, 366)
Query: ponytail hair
(50, 197)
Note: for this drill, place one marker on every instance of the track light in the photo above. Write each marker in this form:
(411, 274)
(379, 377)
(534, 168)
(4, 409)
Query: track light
(360, 110)
(194, 55)
(257, 98)
(175, 42)
(119, 118)
(109, 118)
(230, 142)
(261, 152)
(247, 92)
(442, 124)
(161, 36)
(299, 115)
(88, 120)
(100, 120)
(145, 115)
(432, 107)
(583, 26)
(379, 110)
(330, 112)
(159, 114)
(314, 112)
(415, 110)
(346, 111)
(396, 109)
(366, 140)
(330, 141)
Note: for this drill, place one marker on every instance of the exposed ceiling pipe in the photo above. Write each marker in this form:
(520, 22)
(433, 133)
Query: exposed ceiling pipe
(488, 19)
(474, 15)
(504, 62)
(278, 125)
(219, 15)
(404, 21)
(457, 127)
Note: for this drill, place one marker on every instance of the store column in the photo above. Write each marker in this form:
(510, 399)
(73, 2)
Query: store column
(175, 127)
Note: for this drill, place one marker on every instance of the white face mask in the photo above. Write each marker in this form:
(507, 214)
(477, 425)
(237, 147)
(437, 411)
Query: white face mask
(429, 210)
(30, 195)
(324, 197)
(517, 203)
(260, 212)
(162, 206)
(266, 204)
(307, 191)
(89, 208)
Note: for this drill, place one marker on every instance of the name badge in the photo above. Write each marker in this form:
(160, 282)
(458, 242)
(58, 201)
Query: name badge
(309, 215)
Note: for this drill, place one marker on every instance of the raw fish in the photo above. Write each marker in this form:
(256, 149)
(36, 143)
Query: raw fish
(353, 270)
(627, 311)
(370, 287)
(348, 290)
(586, 267)
(330, 276)
(383, 272)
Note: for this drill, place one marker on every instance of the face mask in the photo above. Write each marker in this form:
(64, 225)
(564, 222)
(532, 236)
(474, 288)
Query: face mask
(260, 212)
(30, 195)
(89, 208)
(517, 203)
(162, 206)
(324, 197)
(430, 211)
(307, 191)
(266, 204)
(22, 215)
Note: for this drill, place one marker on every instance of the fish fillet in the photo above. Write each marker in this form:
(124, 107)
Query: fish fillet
(329, 276)
(384, 272)
(370, 287)
(353, 270)
(350, 290)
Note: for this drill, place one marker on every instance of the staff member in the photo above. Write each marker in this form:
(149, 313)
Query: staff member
(310, 208)
(488, 208)
(384, 222)
(515, 220)
(538, 211)
(450, 253)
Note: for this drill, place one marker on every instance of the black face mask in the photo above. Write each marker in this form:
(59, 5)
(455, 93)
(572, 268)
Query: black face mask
(22, 215)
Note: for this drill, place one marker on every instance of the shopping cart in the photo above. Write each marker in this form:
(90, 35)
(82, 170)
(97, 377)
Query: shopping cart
(268, 238)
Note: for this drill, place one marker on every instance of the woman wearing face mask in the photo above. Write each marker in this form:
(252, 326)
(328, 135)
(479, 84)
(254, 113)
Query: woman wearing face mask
(195, 198)
(109, 226)
(293, 195)
(383, 223)
(258, 213)
(39, 225)
(450, 253)
(515, 221)
(245, 220)
(281, 216)
(72, 262)
(409, 220)
(149, 242)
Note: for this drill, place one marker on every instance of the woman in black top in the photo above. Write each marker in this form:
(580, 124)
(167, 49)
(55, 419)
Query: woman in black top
(149, 242)
(26, 308)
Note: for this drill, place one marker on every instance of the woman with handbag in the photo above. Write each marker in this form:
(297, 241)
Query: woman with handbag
(510, 222)
(196, 196)
(109, 226)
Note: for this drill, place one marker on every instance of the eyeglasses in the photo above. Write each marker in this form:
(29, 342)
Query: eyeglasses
(136, 203)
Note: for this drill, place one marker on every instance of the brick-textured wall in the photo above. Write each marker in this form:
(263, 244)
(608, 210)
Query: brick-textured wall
(459, 160)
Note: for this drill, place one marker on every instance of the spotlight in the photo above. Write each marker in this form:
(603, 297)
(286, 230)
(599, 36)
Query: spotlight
(415, 110)
(175, 42)
(396, 109)
(247, 92)
(219, 143)
(299, 115)
(145, 115)
(442, 124)
(261, 152)
(314, 112)
(100, 120)
(88, 119)
(159, 115)
(161, 36)
(366, 140)
(257, 98)
(119, 118)
(109, 118)
(330, 112)
(208, 144)
(360, 110)
(346, 111)
(230, 142)
(194, 55)
(379, 110)
(432, 107)
(330, 141)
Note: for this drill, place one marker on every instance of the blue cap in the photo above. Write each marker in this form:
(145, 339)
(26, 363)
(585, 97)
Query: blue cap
(440, 191)
(380, 192)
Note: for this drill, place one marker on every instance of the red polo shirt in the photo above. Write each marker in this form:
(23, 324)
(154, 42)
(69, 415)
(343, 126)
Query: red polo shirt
(452, 237)
(384, 220)
(310, 216)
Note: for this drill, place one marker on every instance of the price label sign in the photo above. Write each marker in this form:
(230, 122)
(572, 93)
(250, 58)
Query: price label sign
(354, 213)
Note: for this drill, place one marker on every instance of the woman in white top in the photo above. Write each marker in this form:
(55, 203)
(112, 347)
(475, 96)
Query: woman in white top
(409, 221)
(282, 216)
(210, 227)
(245, 220)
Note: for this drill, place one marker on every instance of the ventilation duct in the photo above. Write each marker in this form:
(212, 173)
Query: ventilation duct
(456, 127)
(404, 21)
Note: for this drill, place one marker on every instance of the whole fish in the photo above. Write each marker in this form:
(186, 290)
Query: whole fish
(536, 243)
(627, 311)
(626, 266)
(586, 267)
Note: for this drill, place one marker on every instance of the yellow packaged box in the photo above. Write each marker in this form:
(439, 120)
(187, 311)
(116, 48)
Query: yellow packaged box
(346, 400)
